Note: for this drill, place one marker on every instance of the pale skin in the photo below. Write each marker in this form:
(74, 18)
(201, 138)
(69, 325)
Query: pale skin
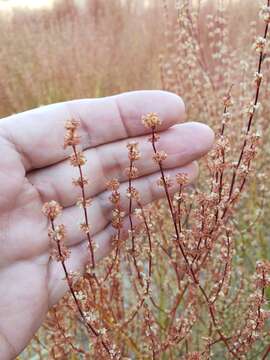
(34, 168)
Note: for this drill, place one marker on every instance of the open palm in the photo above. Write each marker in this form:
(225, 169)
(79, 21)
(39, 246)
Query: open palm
(34, 169)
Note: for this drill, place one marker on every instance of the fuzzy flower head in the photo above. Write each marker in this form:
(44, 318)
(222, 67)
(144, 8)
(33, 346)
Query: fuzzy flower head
(117, 218)
(71, 137)
(227, 100)
(151, 121)
(131, 172)
(113, 184)
(160, 156)
(226, 117)
(58, 234)
(260, 44)
(84, 203)
(81, 182)
(77, 159)
(265, 13)
(258, 78)
(133, 193)
(85, 228)
(165, 182)
(115, 197)
(182, 179)
(133, 151)
(52, 209)
(72, 124)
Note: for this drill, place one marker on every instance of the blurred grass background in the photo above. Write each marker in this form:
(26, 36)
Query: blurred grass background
(96, 49)
(71, 52)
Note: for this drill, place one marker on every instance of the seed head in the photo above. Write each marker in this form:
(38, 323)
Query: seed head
(117, 218)
(227, 100)
(226, 117)
(253, 108)
(132, 172)
(260, 44)
(133, 151)
(160, 156)
(133, 193)
(71, 138)
(84, 203)
(258, 78)
(72, 124)
(182, 179)
(85, 228)
(77, 159)
(115, 197)
(52, 209)
(265, 13)
(166, 182)
(58, 234)
(151, 121)
(81, 182)
(113, 184)
(64, 253)
(153, 138)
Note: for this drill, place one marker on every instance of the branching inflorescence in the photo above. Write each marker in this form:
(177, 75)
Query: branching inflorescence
(174, 285)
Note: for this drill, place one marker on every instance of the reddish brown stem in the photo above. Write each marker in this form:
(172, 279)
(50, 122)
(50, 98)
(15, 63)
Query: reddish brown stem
(172, 211)
(88, 326)
(132, 229)
(85, 209)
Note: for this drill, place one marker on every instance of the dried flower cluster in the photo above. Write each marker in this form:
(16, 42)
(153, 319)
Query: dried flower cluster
(177, 284)
(78, 159)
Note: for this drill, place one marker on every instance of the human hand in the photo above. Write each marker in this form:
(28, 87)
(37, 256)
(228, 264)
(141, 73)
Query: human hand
(34, 169)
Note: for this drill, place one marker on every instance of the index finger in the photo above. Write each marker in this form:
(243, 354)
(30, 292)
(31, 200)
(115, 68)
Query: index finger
(38, 134)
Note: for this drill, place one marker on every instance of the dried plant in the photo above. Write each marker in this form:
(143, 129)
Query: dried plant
(178, 284)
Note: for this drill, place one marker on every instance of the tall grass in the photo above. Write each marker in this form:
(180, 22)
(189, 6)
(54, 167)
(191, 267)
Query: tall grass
(70, 52)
